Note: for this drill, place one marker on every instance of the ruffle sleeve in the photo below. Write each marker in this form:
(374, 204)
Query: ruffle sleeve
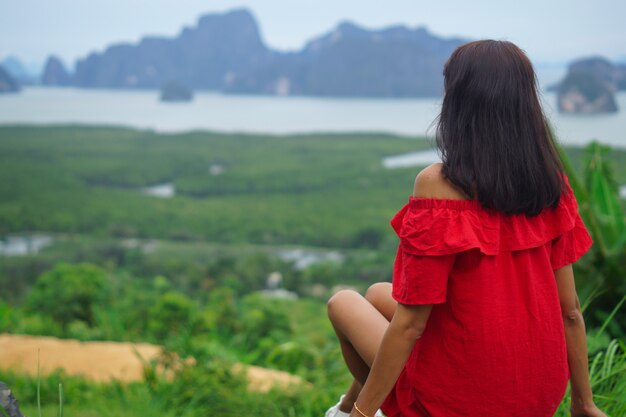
(433, 231)
(571, 245)
(421, 279)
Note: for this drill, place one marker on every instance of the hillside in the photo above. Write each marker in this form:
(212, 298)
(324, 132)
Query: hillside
(232, 266)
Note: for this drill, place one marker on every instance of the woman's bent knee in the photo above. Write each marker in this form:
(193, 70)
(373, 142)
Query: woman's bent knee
(377, 291)
(379, 296)
(340, 300)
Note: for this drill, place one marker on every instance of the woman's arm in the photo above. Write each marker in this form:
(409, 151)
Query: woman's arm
(409, 321)
(406, 327)
(575, 337)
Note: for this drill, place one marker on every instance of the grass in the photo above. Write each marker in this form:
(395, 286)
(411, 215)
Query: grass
(607, 371)
(38, 384)
(88, 399)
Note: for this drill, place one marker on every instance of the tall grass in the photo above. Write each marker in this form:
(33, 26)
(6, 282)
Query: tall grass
(607, 373)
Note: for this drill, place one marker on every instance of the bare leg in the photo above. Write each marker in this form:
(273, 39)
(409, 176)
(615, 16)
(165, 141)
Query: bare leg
(350, 314)
(379, 295)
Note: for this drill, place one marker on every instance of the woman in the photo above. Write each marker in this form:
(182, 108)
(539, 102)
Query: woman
(482, 318)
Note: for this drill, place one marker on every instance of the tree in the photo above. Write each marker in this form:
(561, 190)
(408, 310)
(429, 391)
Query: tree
(69, 292)
(171, 315)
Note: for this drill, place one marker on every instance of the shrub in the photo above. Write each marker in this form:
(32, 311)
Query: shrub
(69, 292)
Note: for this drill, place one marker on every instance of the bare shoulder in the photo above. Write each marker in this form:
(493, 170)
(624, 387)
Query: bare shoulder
(430, 183)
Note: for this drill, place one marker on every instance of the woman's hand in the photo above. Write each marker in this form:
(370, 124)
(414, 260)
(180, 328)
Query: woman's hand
(587, 411)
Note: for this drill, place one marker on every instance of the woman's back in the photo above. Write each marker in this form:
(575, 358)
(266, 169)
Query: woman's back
(494, 342)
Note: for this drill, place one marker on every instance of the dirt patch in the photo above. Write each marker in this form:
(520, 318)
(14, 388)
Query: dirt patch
(107, 361)
(97, 361)
(263, 380)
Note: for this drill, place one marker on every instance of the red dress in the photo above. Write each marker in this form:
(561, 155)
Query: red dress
(494, 344)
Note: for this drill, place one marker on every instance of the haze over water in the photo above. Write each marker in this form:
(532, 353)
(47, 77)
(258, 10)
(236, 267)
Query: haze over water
(270, 114)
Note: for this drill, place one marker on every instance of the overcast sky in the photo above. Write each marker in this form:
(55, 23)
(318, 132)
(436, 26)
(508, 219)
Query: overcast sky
(551, 31)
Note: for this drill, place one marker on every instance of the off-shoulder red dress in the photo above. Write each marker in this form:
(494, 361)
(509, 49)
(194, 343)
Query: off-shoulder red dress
(494, 344)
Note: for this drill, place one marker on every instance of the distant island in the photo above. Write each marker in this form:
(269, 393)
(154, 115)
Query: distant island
(18, 71)
(55, 73)
(589, 86)
(225, 52)
(7, 82)
(175, 91)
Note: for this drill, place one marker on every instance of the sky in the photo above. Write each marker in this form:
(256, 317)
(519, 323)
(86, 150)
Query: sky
(552, 32)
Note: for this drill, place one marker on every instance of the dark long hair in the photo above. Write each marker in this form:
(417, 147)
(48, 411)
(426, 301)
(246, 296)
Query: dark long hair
(493, 137)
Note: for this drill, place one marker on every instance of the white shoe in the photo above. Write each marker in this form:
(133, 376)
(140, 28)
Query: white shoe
(334, 411)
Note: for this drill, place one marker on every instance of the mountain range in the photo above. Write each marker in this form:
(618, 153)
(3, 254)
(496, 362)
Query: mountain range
(225, 52)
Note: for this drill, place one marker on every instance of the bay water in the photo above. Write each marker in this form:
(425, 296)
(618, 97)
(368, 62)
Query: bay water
(270, 114)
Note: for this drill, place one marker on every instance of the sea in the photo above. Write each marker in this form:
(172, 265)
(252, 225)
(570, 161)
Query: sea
(271, 114)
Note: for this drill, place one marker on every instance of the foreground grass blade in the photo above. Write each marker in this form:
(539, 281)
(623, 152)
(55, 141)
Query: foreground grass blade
(610, 317)
(38, 385)
(60, 400)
